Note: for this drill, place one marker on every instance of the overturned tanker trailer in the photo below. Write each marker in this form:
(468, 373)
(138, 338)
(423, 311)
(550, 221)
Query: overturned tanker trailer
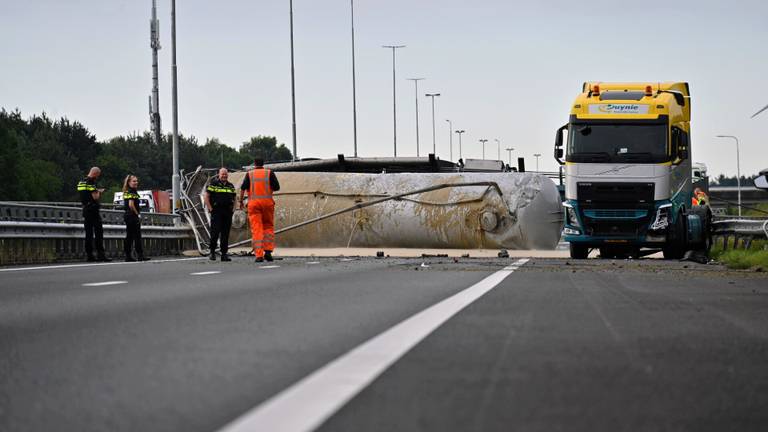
(411, 210)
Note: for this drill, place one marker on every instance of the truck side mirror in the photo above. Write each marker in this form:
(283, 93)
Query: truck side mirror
(762, 182)
(559, 144)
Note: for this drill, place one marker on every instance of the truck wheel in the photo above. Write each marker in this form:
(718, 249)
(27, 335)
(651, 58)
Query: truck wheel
(579, 251)
(676, 242)
(705, 215)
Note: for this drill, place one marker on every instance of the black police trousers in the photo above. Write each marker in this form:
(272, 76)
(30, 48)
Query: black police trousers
(133, 236)
(221, 222)
(93, 226)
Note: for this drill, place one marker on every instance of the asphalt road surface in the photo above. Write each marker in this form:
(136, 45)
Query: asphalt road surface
(369, 344)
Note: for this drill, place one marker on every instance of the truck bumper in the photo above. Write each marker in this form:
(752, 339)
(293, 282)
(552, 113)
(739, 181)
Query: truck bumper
(650, 229)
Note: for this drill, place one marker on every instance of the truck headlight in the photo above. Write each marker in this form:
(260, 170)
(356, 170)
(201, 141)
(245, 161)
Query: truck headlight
(570, 216)
(662, 218)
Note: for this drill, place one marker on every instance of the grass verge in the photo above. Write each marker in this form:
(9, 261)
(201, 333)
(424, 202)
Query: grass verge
(756, 256)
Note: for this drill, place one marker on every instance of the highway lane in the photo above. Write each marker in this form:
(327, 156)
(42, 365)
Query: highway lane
(169, 351)
(557, 345)
(605, 346)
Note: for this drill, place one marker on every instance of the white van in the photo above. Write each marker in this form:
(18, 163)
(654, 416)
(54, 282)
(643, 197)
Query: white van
(146, 201)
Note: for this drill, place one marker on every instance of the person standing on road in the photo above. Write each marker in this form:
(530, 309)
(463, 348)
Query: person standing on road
(220, 202)
(260, 184)
(90, 194)
(132, 219)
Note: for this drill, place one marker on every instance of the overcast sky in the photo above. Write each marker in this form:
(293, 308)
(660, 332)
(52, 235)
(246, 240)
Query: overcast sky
(506, 70)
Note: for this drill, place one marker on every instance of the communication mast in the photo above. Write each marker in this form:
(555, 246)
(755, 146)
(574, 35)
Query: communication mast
(154, 99)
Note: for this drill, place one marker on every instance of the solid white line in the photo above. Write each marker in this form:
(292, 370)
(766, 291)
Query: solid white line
(204, 273)
(92, 284)
(65, 266)
(305, 405)
(269, 266)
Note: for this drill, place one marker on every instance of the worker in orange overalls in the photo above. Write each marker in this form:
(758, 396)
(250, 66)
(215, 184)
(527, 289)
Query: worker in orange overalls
(699, 197)
(260, 183)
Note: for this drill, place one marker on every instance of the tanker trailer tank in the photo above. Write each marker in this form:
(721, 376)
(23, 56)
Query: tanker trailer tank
(412, 210)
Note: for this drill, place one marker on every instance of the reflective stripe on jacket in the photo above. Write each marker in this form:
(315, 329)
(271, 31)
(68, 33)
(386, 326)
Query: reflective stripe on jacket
(85, 186)
(260, 187)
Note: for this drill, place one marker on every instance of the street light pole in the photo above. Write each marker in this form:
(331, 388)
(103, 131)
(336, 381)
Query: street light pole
(433, 96)
(450, 138)
(483, 141)
(354, 79)
(293, 86)
(394, 95)
(175, 180)
(738, 167)
(537, 156)
(509, 151)
(416, 86)
(460, 132)
(498, 144)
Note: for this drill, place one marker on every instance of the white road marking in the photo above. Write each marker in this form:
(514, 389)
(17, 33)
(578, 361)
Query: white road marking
(204, 273)
(305, 405)
(347, 259)
(269, 266)
(313, 262)
(93, 284)
(65, 266)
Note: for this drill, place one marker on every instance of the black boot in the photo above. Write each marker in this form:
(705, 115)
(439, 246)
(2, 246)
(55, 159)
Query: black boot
(143, 258)
(268, 256)
(91, 258)
(129, 258)
(259, 260)
(212, 256)
(225, 257)
(103, 258)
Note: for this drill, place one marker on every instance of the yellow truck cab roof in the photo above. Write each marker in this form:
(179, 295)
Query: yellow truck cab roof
(640, 100)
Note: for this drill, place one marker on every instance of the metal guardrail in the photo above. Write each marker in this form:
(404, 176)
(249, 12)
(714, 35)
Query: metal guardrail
(32, 233)
(741, 229)
(13, 229)
(24, 212)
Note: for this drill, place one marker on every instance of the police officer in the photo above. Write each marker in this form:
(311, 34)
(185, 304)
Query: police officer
(90, 194)
(220, 201)
(132, 219)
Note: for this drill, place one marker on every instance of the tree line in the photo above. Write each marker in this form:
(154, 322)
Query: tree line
(722, 180)
(43, 159)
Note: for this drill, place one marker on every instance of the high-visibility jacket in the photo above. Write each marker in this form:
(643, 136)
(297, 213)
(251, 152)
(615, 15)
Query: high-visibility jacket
(260, 187)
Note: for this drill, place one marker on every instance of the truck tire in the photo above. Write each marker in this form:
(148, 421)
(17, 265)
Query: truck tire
(579, 251)
(676, 241)
(705, 214)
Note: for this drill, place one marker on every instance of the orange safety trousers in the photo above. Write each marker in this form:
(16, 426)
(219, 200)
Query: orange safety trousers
(261, 215)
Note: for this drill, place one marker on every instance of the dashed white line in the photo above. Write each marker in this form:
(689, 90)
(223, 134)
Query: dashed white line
(313, 262)
(95, 284)
(269, 266)
(305, 405)
(65, 266)
(347, 259)
(204, 273)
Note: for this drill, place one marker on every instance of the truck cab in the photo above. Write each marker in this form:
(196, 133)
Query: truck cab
(627, 168)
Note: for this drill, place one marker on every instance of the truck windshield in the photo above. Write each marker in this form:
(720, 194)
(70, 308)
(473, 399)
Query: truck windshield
(617, 143)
